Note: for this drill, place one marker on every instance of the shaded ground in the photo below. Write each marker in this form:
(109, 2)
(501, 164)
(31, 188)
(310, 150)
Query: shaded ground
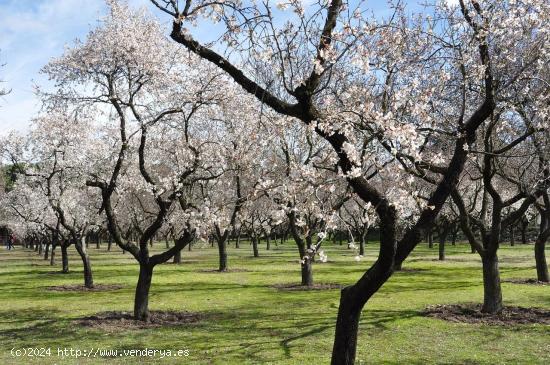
(299, 287)
(115, 321)
(526, 281)
(471, 313)
(77, 287)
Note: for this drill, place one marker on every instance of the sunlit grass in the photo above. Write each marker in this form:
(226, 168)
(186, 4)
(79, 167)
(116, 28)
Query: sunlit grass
(247, 321)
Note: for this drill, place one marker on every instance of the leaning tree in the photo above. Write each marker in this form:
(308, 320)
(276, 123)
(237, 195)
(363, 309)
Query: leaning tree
(417, 87)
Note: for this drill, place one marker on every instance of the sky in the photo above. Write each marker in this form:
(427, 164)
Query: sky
(34, 31)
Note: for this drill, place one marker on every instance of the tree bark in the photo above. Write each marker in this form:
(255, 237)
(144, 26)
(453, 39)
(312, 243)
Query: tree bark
(268, 242)
(255, 247)
(307, 272)
(52, 255)
(222, 251)
(141, 300)
(430, 239)
(64, 259)
(540, 259)
(177, 257)
(46, 251)
(492, 292)
(362, 244)
(512, 235)
(347, 326)
(88, 276)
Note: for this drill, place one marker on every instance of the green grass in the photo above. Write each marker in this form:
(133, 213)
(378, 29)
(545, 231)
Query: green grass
(246, 321)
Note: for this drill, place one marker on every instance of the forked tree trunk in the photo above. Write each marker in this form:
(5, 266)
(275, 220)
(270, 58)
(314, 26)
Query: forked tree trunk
(64, 259)
(255, 246)
(88, 276)
(492, 292)
(141, 299)
(222, 251)
(540, 258)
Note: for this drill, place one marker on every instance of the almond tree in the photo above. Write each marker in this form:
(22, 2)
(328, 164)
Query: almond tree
(402, 84)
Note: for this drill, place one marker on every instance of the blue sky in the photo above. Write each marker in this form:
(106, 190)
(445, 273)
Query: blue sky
(34, 31)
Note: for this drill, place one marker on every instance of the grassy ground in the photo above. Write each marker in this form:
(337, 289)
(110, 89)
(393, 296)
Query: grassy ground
(249, 322)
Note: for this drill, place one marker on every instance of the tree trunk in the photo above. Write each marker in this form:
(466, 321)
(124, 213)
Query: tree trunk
(430, 239)
(238, 240)
(268, 242)
(347, 326)
(98, 242)
(109, 243)
(64, 259)
(307, 272)
(442, 249)
(455, 233)
(46, 251)
(492, 293)
(88, 277)
(141, 300)
(255, 246)
(222, 251)
(540, 258)
(177, 257)
(52, 255)
(362, 245)
(512, 235)
(167, 243)
(524, 233)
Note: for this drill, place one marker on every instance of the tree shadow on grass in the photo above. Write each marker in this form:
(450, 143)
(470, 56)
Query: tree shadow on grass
(37, 328)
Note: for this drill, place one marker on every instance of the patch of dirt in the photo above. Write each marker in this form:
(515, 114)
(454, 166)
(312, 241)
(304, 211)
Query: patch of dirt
(471, 313)
(299, 287)
(216, 271)
(115, 321)
(525, 281)
(76, 287)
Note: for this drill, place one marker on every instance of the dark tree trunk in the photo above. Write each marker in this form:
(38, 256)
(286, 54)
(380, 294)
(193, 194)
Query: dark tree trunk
(189, 246)
(307, 272)
(347, 326)
(512, 235)
(268, 243)
(151, 242)
(167, 243)
(238, 240)
(222, 251)
(492, 293)
(362, 244)
(540, 258)
(255, 247)
(442, 239)
(98, 241)
(177, 257)
(88, 277)
(64, 259)
(398, 266)
(46, 251)
(141, 300)
(52, 255)
(524, 233)
(109, 243)
(430, 239)
(455, 233)
(40, 246)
